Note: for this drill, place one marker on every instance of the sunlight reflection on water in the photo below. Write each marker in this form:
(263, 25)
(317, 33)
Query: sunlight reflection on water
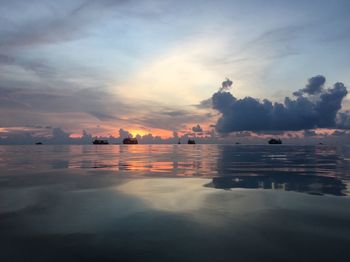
(180, 160)
(162, 202)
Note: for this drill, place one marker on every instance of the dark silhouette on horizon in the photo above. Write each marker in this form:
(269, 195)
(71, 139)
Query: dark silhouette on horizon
(130, 141)
(191, 141)
(100, 142)
(274, 141)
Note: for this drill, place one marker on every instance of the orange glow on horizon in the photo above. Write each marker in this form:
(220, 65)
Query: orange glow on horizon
(136, 132)
(75, 136)
(155, 132)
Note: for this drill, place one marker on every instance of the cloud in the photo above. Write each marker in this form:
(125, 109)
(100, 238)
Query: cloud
(175, 113)
(344, 120)
(85, 108)
(32, 134)
(70, 109)
(304, 112)
(168, 118)
(59, 136)
(314, 86)
(309, 133)
(53, 23)
(226, 85)
(102, 116)
(6, 60)
(206, 103)
(197, 129)
(124, 133)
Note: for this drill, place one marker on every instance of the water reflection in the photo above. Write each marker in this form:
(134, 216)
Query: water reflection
(311, 170)
(330, 161)
(276, 166)
(311, 184)
(212, 160)
(127, 203)
(169, 194)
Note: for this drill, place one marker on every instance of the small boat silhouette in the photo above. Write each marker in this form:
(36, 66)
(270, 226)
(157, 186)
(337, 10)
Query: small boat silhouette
(38, 143)
(100, 142)
(274, 141)
(191, 141)
(130, 141)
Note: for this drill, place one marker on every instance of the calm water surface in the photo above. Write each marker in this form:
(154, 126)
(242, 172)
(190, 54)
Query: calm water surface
(174, 203)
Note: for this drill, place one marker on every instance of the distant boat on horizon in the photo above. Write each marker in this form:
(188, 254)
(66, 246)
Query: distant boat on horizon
(38, 143)
(274, 141)
(191, 141)
(100, 142)
(130, 141)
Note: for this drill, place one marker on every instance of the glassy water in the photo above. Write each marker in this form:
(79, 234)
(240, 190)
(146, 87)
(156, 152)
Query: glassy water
(174, 203)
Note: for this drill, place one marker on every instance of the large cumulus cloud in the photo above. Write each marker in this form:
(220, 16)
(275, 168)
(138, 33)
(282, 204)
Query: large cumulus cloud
(313, 107)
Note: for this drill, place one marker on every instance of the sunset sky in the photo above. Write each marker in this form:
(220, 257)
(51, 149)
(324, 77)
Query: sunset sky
(153, 66)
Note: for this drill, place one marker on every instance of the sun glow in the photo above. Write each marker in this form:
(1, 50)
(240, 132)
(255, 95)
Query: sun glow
(155, 132)
(140, 132)
(175, 70)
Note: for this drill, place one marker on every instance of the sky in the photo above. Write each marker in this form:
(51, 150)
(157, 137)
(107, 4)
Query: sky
(208, 69)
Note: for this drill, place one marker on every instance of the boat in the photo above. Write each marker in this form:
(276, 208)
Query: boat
(274, 141)
(38, 143)
(100, 142)
(130, 141)
(179, 142)
(191, 141)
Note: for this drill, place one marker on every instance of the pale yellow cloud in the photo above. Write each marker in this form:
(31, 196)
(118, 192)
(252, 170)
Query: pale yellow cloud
(178, 77)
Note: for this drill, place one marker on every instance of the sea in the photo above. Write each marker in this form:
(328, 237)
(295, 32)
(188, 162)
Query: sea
(174, 203)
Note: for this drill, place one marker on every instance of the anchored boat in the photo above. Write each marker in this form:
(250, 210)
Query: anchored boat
(130, 141)
(100, 142)
(274, 141)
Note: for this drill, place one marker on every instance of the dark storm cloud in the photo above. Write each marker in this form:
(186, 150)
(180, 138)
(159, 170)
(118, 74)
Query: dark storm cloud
(226, 85)
(344, 120)
(197, 129)
(207, 103)
(204, 104)
(314, 86)
(304, 112)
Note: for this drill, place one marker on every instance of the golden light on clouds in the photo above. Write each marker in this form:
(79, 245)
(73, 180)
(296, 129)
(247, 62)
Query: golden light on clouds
(178, 77)
(136, 132)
